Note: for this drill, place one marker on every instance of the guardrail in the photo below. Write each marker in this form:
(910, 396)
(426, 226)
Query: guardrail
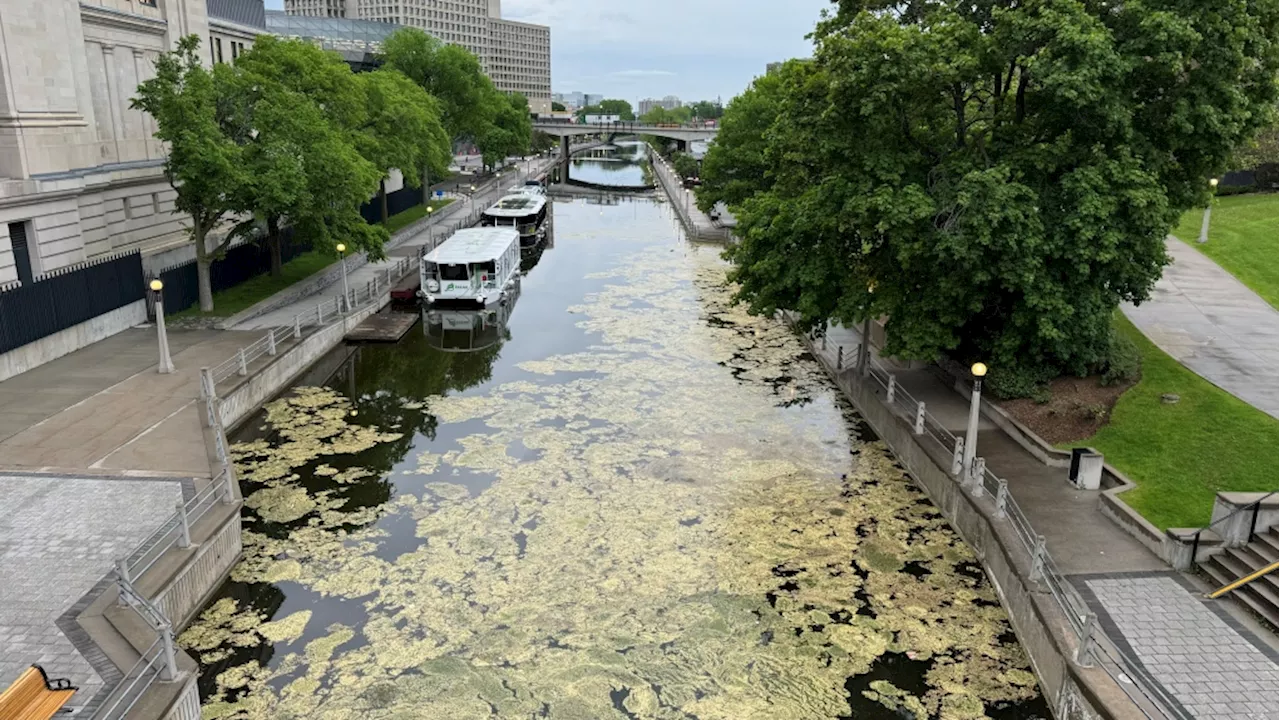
(1093, 645)
(326, 311)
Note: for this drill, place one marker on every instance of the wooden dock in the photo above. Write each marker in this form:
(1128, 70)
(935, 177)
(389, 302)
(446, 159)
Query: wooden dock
(386, 326)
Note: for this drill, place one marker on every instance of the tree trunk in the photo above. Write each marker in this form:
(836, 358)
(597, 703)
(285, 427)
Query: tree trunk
(426, 186)
(203, 261)
(273, 243)
(382, 198)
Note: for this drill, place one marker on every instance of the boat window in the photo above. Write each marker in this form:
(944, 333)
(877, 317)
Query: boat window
(453, 272)
(430, 269)
(487, 267)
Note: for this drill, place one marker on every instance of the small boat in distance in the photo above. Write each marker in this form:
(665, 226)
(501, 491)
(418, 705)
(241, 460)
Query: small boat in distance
(526, 211)
(475, 265)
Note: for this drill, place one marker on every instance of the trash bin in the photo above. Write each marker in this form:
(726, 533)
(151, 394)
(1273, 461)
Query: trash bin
(1086, 468)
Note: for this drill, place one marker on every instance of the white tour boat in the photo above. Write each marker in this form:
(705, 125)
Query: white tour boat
(475, 265)
(526, 211)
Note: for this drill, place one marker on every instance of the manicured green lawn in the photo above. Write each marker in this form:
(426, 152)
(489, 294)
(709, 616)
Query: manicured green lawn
(413, 214)
(1181, 454)
(1244, 238)
(242, 296)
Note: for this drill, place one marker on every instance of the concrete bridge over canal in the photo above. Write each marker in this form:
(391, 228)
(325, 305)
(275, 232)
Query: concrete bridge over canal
(680, 134)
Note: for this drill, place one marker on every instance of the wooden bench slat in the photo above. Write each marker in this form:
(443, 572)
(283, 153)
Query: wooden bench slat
(29, 699)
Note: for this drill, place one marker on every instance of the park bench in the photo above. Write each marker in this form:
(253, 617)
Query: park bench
(33, 696)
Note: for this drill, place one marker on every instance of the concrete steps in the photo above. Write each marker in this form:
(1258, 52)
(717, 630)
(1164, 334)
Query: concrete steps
(1262, 596)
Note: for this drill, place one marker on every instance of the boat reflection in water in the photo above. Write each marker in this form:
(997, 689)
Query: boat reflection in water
(467, 330)
(530, 256)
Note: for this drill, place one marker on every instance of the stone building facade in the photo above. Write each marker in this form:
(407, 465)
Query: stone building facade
(515, 55)
(80, 171)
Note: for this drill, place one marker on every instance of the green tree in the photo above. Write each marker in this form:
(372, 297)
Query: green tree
(204, 165)
(996, 178)
(706, 110)
(557, 107)
(685, 164)
(662, 116)
(621, 108)
(510, 131)
(301, 115)
(449, 73)
(402, 130)
(735, 167)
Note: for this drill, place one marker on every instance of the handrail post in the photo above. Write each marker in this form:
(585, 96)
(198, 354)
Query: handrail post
(1195, 547)
(1037, 559)
(1002, 497)
(1084, 658)
(184, 539)
(244, 364)
(976, 473)
(840, 357)
(170, 670)
(122, 569)
(920, 418)
(319, 313)
(893, 386)
(1253, 523)
(297, 327)
(271, 341)
(957, 458)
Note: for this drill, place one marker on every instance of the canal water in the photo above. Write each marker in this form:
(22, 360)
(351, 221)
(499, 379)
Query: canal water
(617, 165)
(619, 497)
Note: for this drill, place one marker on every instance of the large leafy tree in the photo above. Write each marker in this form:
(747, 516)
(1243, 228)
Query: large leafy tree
(706, 110)
(995, 177)
(735, 167)
(621, 108)
(204, 165)
(450, 74)
(511, 130)
(299, 115)
(660, 115)
(401, 129)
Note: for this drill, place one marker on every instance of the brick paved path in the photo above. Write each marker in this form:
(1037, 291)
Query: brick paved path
(58, 537)
(1189, 645)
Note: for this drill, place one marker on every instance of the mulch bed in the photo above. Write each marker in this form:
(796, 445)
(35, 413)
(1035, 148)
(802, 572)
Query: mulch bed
(1076, 409)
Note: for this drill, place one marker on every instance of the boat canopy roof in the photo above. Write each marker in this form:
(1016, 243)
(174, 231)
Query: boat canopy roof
(473, 245)
(517, 205)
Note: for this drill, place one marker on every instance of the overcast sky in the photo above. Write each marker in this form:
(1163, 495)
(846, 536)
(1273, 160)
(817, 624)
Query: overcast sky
(695, 49)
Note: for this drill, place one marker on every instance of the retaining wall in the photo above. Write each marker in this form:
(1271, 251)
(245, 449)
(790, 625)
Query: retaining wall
(67, 341)
(248, 396)
(1075, 693)
(186, 593)
(187, 705)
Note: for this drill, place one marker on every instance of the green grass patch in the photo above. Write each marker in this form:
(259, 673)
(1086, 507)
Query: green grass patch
(254, 290)
(414, 214)
(1181, 454)
(1244, 238)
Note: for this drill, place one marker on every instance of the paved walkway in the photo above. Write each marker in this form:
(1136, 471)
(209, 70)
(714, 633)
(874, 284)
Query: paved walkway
(1217, 327)
(59, 536)
(462, 212)
(1211, 664)
(685, 203)
(105, 408)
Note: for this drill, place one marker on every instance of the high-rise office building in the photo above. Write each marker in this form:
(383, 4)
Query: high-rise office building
(515, 55)
(670, 102)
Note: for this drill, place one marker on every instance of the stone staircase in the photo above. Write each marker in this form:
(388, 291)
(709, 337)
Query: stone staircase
(1262, 596)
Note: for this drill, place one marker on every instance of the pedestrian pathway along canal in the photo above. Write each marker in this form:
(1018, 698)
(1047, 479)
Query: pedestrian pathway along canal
(635, 501)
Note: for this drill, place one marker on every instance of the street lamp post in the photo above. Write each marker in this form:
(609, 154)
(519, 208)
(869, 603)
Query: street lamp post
(1204, 225)
(166, 362)
(346, 294)
(975, 404)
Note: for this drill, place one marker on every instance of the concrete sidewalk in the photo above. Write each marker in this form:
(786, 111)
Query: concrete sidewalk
(1207, 659)
(1220, 329)
(104, 408)
(461, 210)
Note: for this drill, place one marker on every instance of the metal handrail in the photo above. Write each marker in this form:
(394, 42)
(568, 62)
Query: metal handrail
(1089, 636)
(175, 530)
(143, 673)
(1194, 535)
(267, 344)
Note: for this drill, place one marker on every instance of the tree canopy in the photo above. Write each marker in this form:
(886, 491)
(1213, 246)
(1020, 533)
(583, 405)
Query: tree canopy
(995, 178)
(621, 108)
(662, 116)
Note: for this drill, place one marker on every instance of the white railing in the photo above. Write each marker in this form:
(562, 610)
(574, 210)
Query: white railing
(175, 531)
(1093, 645)
(326, 312)
(157, 663)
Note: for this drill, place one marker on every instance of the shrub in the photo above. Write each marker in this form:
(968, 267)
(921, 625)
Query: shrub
(1009, 383)
(1123, 362)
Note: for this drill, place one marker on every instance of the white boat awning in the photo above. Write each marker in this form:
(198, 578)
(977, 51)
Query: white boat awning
(474, 245)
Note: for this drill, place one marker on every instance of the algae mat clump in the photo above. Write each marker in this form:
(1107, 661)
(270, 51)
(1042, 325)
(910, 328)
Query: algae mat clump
(681, 523)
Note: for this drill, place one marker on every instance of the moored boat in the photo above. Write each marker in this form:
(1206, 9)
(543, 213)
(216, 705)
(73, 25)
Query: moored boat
(475, 265)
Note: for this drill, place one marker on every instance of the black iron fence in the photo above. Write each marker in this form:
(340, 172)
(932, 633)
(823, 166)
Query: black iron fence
(240, 263)
(68, 296)
(397, 202)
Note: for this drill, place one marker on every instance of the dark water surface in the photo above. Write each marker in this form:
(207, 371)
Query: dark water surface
(628, 499)
(613, 166)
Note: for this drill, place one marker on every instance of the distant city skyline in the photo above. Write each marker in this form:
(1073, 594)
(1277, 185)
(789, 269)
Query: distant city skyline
(714, 49)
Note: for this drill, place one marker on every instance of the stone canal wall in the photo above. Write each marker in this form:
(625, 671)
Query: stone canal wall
(1074, 692)
(241, 402)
